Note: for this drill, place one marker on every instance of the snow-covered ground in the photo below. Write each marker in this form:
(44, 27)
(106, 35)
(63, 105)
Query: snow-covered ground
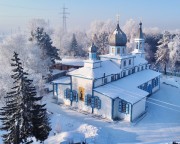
(161, 123)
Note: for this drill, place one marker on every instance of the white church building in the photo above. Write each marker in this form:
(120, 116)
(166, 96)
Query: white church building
(116, 86)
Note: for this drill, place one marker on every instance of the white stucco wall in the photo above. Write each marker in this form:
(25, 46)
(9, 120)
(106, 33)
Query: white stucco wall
(61, 99)
(127, 63)
(92, 64)
(87, 85)
(138, 109)
(106, 106)
(119, 115)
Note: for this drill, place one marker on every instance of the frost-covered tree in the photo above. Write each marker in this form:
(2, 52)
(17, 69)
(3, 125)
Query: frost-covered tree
(57, 37)
(102, 43)
(151, 43)
(99, 32)
(49, 52)
(30, 57)
(98, 27)
(83, 43)
(174, 53)
(130, 28)
(162, 53)
(34, 23)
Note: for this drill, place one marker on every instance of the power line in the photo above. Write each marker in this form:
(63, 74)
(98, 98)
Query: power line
(64, 16)
(22, 7)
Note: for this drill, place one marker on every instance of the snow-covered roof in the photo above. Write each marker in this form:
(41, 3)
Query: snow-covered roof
(56, 71)
(107, 67)
(62, 80)
(72, 62)
(139, 60)
(115, 91)
(127, 87)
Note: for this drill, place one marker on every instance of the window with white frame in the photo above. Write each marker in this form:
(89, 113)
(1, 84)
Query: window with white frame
(129, 72)
(88, 100)
(67, 93)
(123, 107)
(156, 81)
(153, 83)
(97, 102)
(118, 50)
(137, 69)
(124, 73)
(124, 63)
(92, 101)
(105, 80)
(75, 95)
(112, 78)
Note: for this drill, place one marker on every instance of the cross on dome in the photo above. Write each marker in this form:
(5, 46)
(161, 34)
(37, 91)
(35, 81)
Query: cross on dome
(117, 16)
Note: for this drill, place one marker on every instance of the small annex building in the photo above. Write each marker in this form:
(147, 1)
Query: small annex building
(116, 86)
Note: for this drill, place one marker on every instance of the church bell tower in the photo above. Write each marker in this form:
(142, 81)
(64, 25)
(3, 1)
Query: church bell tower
(139, 42)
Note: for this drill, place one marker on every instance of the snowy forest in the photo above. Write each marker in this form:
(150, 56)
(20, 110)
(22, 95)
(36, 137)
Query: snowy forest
(36, 49)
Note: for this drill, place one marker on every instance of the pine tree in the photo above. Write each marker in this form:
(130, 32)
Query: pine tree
(18, 114)
(74, 47)
(11, 112)
(40, 121)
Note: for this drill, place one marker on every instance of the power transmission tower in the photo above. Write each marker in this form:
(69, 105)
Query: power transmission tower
(64, 13)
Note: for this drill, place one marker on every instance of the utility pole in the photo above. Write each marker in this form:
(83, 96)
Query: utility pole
(64, 13)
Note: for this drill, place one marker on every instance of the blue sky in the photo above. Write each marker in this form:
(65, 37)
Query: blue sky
(154, 13)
